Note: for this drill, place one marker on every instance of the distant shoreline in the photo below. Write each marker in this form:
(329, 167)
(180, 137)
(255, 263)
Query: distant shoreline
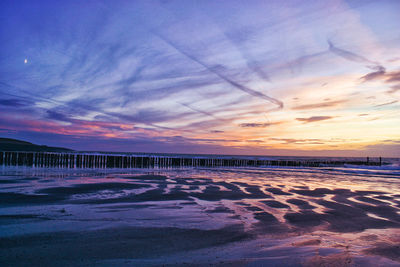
(9, 144)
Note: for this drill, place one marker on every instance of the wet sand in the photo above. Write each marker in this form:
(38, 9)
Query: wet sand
(222, 217)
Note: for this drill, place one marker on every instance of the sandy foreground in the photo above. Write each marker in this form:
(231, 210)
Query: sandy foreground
(199, 217)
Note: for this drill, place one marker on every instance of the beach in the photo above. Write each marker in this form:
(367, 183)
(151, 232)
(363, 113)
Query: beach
(200, 216)
(200, 133)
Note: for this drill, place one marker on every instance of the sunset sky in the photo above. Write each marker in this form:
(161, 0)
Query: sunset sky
(226, 77)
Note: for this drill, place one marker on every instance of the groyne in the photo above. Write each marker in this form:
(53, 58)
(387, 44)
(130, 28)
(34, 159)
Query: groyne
(127, 161)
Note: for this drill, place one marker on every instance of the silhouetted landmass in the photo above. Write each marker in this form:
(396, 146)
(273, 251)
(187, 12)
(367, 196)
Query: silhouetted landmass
(9, 144)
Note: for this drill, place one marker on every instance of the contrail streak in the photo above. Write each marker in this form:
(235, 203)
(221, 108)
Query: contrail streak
(250, 61)
(349, 55)
(202, 111)
(220, 75)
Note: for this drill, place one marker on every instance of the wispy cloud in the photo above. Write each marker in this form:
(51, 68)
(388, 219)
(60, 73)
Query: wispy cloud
(258, 125)
(219, 73)
(312, 141)
(16, 103)
(387, 103)
(391, 141)
(349, 55)
(389, 77)
(314, 119)
(237, 40)
(201, 111)
(393, 76)
(394, 89)
(325, 104)
(380, 72)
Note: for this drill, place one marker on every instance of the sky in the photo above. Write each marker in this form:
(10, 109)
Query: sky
(312, 78)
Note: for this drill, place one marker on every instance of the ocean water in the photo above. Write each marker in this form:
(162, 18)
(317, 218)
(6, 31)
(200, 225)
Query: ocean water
(247, 216)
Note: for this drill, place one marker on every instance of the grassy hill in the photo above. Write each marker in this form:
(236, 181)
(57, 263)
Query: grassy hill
(9, 144)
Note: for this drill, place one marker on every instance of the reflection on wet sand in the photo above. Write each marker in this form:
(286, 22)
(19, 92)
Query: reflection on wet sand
(261, 216)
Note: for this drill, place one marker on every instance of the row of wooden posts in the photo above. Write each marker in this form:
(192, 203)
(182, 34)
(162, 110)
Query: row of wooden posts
(103, 161)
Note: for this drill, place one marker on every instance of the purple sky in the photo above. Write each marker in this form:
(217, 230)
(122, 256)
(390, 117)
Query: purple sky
(228, 77)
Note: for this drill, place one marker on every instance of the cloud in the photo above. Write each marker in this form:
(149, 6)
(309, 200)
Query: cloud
(255, 141)
(15, 103)
(312, 141)
(393, 77)
(237, 39)
(202, 125)
(394, 89)
(219, 73)
(380, 72)
(387, 77)
(391, 141)
(298, 63)
(394, 59)
(314, 119)
(54, 115)
(319, 105)
(257, 125)
(349, 55)
(388, 103)
(201, 111)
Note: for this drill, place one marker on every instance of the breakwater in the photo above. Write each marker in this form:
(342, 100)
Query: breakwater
(105, 161)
